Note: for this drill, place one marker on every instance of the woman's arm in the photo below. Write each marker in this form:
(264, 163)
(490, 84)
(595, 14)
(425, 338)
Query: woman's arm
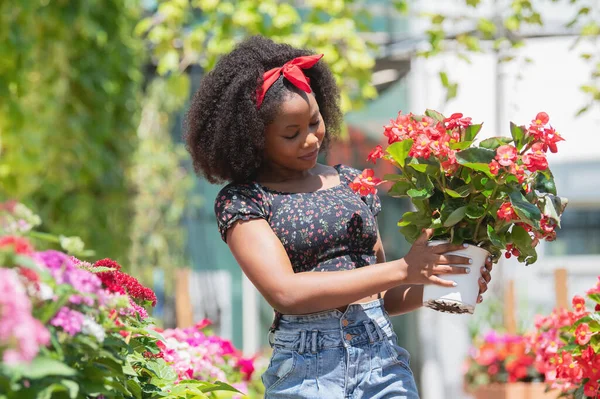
(264, 260)
(400, 299)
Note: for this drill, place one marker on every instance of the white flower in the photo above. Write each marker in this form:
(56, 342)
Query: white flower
(90, 327)
(44, 292)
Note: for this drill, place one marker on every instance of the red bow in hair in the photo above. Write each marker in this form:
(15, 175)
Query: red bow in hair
(292, 71)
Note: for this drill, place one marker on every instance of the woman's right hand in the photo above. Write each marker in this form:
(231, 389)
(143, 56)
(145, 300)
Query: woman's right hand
(424, 263)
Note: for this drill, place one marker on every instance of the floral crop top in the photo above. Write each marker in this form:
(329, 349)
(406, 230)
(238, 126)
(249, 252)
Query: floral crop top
(325, 230)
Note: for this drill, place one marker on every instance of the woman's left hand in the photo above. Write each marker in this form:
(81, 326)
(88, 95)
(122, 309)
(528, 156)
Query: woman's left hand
(485, 278)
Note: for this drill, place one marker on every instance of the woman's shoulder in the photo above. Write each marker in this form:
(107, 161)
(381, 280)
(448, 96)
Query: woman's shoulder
(240, 192)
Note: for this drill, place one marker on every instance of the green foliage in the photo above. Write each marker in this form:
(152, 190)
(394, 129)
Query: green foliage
(70, 77)
(183, 33)
(162, 185)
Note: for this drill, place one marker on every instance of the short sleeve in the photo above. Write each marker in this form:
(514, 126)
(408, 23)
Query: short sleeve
(348, 174)
(238, 202)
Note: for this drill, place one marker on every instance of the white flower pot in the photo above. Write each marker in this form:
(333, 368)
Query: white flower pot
(463, 297)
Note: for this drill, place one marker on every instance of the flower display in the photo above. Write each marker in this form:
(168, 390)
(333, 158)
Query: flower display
(500, 358)
(67, 325)
(566, 346)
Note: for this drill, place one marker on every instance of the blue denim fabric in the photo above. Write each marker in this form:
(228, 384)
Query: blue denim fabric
(337, 355)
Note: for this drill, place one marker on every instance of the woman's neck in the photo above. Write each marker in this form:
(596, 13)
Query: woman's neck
(279, 174)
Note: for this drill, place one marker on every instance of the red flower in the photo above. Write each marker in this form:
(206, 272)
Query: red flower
(366, 183)
(506, 155)
(122, 283)
(549, 140)
(535, 160)
(518, 171)
(29, 274)
(420, 148)
(457, 120)
(19, 244)
(583, 334)
(107, 262)
(376, 154)
(494, 167)
(506, 212)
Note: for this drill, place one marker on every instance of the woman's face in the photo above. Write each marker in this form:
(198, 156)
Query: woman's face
(293, 139)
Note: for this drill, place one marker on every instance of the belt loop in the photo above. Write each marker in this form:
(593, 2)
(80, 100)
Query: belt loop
(302, 341)
(314, 341)
(369, 332)
(378, 329)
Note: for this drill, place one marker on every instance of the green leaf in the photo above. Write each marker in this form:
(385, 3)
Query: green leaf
(217, 386)
(461, 145)
(416, 218)
(419, 167)
(475, 155)
(460, 192)
(475, 211)
(400, 189)
(494, 142)
(526, 211)
(134, 388)
(393, 177)
(435, 115)
(544, 182)
(399, 151)
(419, 194)
(550, 208)
(480, 167)
(456, 216)
(410, 232)
(495, 238)
(472, 131)
(518, 135)
(42, 367)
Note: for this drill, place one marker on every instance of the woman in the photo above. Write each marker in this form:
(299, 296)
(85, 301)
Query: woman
(259, 121)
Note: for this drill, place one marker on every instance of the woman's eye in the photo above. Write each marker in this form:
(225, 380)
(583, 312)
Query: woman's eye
(316, 123)
(293, 137)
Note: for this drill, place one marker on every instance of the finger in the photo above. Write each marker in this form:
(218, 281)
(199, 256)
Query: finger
(453, 260)
(441, 282)
(443, 248)
(479, 299)
(482, 285)
(424, 237)
(451, 270)
(488, 263)
(486, 275)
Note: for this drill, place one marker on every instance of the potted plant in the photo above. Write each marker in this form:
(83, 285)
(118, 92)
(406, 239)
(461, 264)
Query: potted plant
(496, 194)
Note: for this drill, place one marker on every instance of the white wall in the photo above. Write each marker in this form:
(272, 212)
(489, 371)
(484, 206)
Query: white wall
(550, 84)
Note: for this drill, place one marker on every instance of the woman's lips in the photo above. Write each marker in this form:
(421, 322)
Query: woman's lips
(310, 156)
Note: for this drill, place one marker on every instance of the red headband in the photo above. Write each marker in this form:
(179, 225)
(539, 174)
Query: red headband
(292, 71)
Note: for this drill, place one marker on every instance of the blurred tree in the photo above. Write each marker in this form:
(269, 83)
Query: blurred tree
(503, 26)
(70, 75)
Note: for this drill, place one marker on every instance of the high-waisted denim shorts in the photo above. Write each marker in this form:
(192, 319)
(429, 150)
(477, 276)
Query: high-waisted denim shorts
(335, 355)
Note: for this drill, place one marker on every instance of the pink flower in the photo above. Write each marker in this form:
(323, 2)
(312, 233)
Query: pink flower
(506, 155)
(579, 306)
(69, 320)
(21, 335)
(583, 334)
(20, 245)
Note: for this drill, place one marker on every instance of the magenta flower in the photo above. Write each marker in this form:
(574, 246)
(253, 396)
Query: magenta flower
(71, 321)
